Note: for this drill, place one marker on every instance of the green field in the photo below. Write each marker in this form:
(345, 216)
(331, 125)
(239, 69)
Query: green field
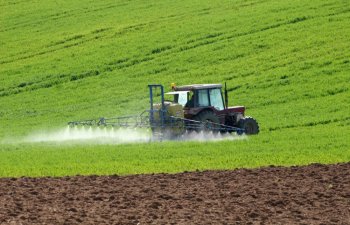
(287, 61)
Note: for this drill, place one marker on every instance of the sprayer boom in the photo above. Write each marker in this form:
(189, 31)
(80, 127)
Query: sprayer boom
(124, 121)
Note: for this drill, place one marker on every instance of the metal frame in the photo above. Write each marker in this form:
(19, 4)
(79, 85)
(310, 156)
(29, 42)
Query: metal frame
(162, 111)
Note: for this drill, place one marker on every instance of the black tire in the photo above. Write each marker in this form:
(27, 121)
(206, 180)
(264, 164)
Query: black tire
(210, 121)
(249, 125)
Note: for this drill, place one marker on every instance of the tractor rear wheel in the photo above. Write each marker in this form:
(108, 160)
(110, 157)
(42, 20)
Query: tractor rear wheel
(210, 122)
(249, 125)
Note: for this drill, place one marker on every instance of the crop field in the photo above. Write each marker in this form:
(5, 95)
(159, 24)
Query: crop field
(287, 61)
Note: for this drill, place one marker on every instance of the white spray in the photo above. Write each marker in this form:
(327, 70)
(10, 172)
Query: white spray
(210, 136)
(98, 135)
(110, 135)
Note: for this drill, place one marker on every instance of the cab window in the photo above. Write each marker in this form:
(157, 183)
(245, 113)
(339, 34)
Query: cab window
(216, 99)
(203, 99)
(182, 98)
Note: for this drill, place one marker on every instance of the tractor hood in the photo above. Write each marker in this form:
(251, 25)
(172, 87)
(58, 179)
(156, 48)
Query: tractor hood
(236, 109)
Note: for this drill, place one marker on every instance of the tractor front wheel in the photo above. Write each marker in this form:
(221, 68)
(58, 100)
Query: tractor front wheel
(249, 125)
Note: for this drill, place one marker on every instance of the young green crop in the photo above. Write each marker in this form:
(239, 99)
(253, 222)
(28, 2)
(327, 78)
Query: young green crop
(270, 148)
(288, 62)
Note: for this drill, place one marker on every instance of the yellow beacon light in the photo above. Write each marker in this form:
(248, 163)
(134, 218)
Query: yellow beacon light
(173, 85)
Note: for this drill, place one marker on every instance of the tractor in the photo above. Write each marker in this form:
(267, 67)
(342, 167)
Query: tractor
(205, 103)
(193, 108)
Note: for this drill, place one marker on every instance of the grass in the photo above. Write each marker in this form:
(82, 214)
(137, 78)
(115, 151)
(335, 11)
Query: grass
(288, 62)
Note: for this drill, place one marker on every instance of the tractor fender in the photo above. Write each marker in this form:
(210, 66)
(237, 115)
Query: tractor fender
(235, 109)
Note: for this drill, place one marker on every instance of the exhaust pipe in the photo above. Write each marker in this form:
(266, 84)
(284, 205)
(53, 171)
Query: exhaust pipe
(226, 97)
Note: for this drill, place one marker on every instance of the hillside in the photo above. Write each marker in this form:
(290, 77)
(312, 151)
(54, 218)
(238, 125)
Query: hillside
(288, 62)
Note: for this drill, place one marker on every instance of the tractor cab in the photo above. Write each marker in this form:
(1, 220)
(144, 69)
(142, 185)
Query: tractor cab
(201, 98)
(203, 95)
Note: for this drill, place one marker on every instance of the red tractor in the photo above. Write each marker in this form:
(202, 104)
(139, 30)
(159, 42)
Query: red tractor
(205, 103)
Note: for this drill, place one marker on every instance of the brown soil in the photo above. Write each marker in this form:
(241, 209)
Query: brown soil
(316, 194)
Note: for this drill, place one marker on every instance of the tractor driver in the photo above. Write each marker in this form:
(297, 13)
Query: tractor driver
(190, 103)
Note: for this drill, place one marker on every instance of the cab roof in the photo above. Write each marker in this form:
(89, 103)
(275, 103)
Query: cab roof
(197, 87)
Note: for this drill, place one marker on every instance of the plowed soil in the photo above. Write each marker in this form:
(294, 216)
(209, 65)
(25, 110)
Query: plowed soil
(315, 194)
